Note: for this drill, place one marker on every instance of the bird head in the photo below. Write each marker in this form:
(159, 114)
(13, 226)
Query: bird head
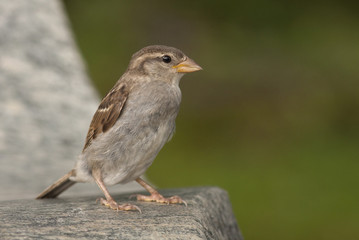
(162, 63)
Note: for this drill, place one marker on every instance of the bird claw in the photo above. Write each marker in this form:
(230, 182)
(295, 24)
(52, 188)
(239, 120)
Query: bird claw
(156, 197)
(177, 199)
(113, 205)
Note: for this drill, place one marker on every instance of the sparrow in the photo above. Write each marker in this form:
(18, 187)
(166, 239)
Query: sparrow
(131, 125)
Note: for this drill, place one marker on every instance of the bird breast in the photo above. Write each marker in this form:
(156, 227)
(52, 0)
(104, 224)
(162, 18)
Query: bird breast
(146, 123)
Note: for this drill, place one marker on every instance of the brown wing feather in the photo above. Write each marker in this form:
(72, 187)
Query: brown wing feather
(107, 113)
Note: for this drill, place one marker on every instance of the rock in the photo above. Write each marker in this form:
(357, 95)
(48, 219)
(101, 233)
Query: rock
(46, 98)
(208, 216)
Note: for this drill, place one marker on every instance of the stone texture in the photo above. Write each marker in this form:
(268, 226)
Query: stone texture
(46, 99)
(208, 216)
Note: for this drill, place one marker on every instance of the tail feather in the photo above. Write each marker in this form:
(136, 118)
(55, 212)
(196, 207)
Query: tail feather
(58, 187)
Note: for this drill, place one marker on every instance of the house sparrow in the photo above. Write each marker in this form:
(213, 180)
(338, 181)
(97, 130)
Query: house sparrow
(131, 125)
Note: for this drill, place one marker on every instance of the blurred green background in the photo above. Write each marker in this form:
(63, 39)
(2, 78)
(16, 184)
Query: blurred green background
(274, 116)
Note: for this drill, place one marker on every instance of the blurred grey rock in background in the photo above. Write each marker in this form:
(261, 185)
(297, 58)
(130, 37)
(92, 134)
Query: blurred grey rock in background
(46, 99)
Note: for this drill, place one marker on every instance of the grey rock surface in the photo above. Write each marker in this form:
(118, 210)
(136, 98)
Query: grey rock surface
(208, 216)
(46, 99)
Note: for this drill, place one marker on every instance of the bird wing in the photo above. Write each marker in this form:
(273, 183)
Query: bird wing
(107, 113)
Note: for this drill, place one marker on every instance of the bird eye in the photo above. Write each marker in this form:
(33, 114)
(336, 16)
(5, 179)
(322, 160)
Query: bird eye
(166, 59)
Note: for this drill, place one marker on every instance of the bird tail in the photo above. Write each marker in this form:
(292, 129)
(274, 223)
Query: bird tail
(58, 187)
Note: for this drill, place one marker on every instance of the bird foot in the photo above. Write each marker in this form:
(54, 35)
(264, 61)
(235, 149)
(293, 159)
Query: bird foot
(113, 205)
(156, 197)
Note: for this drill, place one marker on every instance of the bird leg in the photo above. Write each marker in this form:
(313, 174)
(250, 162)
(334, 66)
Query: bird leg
(109, 201)
(156, 196)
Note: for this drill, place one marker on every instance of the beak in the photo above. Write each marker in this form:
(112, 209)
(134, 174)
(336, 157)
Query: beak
(187, 66)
